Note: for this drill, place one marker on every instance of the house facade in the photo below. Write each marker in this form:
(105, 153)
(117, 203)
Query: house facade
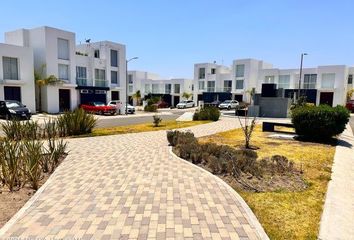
(149, 84)
(322, 85)
(16, 74)
(87, 72)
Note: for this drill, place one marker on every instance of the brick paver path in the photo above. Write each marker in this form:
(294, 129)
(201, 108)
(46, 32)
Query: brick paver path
(131, 187)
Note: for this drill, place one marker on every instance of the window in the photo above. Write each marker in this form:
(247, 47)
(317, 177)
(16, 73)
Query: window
(350, 79)
(114, 58)
(227, 86)
(284, 81)
(147, 88)
(201, 85)
(211, 86)
(63, 72)
(213, 71)
(81, 73)
(97, 53)
(328, 80)
(168, 88)
(115, 95)
(201, 74)
(155, 88)
(63, 49)
(100, 74)
(130, 88)
(130, 78)
(177, 88)
(310, 81)
(10, 68)
(114, 77)
(240, 70)
(269, 79)
(239, 84)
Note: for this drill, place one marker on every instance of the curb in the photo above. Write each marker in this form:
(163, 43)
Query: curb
(251, 217)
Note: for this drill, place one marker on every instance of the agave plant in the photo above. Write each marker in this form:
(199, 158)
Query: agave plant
(32, 156)
(77, 122)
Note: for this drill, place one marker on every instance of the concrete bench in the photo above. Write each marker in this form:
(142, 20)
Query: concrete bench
(269, 126)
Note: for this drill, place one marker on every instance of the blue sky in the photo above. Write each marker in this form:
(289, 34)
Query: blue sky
(170, 36)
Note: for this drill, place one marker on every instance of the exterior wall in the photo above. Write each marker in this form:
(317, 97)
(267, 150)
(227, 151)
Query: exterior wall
(24, 57)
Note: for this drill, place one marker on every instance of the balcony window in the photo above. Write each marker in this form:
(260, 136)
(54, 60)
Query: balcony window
(201, 85)
(147, 88)
(97, 53)
(63, 72)
(328, 80)
(114, 58)
(350, 79)
(240, 70)
(227, 86)
(201, 73)
(177, 88)
(130, 78)
(63, 49)
(269, 79)
(81, 76)
(239, 84)
(10, 68)
(310, 81)
(114, 77)
(100, 78)
(284, 81)
(211, 86)
(130, 89)
(155, 88)
(213, 71)
(168, 88)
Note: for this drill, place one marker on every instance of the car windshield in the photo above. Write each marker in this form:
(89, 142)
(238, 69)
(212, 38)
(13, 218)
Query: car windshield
(227, 101)
(183, 102)
(99, 104)
(13, 104)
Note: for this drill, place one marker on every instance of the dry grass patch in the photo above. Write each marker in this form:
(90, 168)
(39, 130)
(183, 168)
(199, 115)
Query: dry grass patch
(285, 214)
(144, 127)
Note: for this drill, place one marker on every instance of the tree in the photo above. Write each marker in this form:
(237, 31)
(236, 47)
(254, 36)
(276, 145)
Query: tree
(187, 95)
(41, 80)
(137, 97)
(247, 129)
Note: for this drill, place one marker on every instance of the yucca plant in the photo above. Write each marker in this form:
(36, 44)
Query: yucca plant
(10, 163)
(77, 122)
(56, 149)
(32, 156)
(17, 130)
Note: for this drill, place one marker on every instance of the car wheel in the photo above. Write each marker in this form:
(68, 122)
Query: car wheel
(100, 112)
(229, 107)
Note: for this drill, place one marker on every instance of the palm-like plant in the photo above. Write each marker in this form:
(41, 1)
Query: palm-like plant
(137, 97)
(187, 95)
(41, 80)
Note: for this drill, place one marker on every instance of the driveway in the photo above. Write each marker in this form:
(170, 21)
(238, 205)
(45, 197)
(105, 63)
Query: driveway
(131, 187)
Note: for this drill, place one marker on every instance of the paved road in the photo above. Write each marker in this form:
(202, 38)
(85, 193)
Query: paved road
(131, 187)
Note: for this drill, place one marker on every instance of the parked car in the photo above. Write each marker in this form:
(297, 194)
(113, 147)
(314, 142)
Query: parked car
(11, 109)
(185, 104)
(215, 103)
(228, 104)
(350, 105)
(98, 108)
(116, 104)
(162, 104)
(130, 109)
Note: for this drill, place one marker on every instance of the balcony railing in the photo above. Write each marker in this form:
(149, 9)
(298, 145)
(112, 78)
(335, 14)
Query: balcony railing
(227, 89)
(100, 83)
(81, 81)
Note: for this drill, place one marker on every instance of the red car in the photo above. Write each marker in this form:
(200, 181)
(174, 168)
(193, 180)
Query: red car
(98, 108)
(162, 104)
(350, 105)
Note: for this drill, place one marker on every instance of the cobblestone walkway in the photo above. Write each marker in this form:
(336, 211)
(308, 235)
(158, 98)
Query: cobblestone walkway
(131, 187)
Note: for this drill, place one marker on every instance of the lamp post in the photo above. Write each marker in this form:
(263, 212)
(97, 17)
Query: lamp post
(127, 84)
(302, 59)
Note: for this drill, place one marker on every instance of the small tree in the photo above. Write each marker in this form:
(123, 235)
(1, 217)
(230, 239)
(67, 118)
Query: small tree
(187, 95)
(137, 97)
(247, 129)
(157, 120)
(41, 80)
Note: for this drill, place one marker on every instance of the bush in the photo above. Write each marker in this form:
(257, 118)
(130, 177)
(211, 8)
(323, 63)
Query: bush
(157, 120)
(207, 113)
(319, 122)
(17, 130)
(150, 108)
(77, 122)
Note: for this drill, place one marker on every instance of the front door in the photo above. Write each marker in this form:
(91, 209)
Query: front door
(175, 100)
(326, 98)
(12, 93)
(64, 100)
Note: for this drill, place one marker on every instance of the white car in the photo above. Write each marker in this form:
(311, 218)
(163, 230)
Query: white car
(228, 104)
(185, 104)
(119, 104)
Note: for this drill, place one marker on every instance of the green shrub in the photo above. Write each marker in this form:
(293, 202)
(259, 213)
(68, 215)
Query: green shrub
(156, 120)
(207, 113)
(319, 122)
(150, 108)
(74, 123)
(10, 164)
(17, 130)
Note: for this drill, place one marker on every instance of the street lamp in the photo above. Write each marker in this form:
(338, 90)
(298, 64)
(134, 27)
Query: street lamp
(126, 83)
(302, 59)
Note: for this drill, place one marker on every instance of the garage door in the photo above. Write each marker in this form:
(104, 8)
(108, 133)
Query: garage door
(12, 93)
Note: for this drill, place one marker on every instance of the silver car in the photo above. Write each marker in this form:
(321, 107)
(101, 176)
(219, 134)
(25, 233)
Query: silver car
(229, 104)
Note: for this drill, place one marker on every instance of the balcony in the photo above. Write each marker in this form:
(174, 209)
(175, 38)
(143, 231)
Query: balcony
(101, 83)
(227, 89)
(81, 81)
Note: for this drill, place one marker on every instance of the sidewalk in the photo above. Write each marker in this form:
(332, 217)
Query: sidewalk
(337, 220)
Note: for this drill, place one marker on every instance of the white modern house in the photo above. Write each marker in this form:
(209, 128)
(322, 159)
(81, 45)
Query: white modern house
(149, 84)
(16, 74)
(87, 72)
(323, 84)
